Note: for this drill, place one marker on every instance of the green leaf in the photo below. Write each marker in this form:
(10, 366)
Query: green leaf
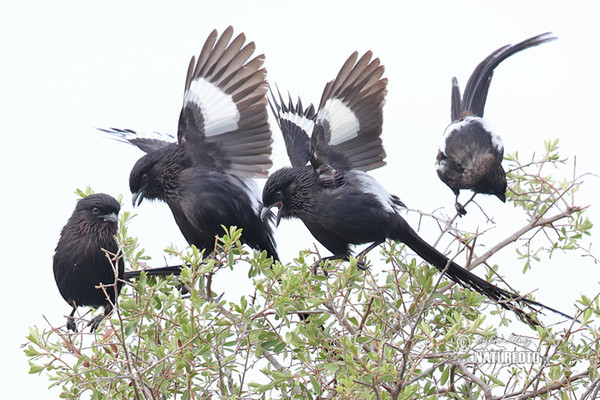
(34, 368)
(315, 384)
(331, 367)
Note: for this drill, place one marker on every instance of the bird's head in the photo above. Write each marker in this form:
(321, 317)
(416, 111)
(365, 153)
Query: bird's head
(100, 210)
(284, 189)
(154, 175)
(493, 182)
(498, 187)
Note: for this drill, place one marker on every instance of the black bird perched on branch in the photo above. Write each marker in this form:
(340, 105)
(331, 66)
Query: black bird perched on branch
(470, 155)
(345, 141)
(223, 141)
(327, 188)
(86, 257)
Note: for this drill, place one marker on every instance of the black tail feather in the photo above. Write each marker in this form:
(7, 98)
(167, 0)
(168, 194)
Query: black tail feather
(478, 85)
(162, 271)
(508, 300)
(456, 108)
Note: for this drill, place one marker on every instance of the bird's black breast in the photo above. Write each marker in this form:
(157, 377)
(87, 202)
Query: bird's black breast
(80, 265)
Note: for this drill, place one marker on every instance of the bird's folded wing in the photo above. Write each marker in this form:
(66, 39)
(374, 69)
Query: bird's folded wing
(296, 124)
(224, 118)
(478, 84)
(350, 116)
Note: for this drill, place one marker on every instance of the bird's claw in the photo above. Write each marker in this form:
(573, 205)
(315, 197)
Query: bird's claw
(315, 267)
(460, 209)
(361, 263)
(93, 324)
(71, 324)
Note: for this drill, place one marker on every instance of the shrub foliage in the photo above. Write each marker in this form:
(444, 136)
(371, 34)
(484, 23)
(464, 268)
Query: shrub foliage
(400, 330)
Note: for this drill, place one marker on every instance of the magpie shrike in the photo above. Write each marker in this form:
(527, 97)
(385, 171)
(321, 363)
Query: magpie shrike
(223, 141)
(80, 262)
(470, 153)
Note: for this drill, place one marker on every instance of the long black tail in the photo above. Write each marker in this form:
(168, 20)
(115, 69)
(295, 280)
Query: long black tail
(266, 242)
(162, 271)
(475, 94)
(508, 300)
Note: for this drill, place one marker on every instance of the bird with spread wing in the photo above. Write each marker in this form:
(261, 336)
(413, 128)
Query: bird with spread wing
(223, 141)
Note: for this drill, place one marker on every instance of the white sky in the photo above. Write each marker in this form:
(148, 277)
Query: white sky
(68, 67)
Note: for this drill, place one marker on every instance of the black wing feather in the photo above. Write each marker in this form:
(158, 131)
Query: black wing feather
(350, 117)
(294, 121)
(224, 108)
(146, 143)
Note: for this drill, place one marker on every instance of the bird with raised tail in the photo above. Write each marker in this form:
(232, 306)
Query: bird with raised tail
(471, 152)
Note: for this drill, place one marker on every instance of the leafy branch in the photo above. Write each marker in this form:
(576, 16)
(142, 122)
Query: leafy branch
(397, 331)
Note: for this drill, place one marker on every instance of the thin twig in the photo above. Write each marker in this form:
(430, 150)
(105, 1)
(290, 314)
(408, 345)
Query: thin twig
(487, 391)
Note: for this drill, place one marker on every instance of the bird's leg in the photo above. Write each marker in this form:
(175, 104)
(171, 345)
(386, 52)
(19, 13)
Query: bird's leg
(323, 259)
(361, 264)
(71, 321)
(94, 323)
(460, 209)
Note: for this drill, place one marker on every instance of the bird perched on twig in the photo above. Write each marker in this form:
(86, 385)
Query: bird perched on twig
(223, 141)
(327, 188)
(470, 154)
(86, 257)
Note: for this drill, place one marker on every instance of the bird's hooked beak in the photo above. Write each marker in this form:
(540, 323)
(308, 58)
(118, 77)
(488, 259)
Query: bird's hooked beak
(137, 197)
(264, 212)
(112, 217)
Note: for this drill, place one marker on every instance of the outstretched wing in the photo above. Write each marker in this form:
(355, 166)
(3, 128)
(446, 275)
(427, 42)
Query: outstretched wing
(223, 123)
(146, 142)
(350, 117)
(475, 95)
(296, 124)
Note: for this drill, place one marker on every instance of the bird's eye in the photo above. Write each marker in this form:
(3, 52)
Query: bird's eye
(279, 195)
(96, 210)
(144, 177)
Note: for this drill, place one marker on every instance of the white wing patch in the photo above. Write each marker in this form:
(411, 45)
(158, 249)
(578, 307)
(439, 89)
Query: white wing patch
(496, 139)
(301, 121)
(253, 193)
(219, 111)
(456, 126)
(368, 184)
(342, 121)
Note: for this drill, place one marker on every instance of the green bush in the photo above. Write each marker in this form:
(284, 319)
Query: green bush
(397, 331)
